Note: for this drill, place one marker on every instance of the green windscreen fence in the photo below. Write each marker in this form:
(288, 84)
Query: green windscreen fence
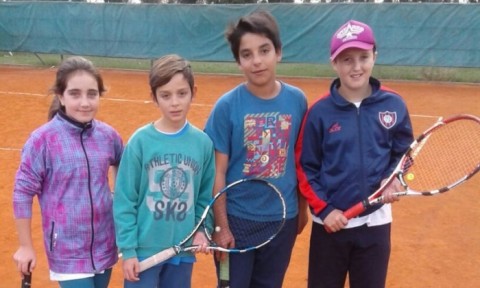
(445, 35)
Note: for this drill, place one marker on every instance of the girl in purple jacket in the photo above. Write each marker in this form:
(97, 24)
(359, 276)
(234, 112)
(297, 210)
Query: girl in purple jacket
(65, 163)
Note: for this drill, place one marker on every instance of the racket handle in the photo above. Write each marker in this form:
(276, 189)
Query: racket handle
(27, 278)
(356, 210)
(352, 212)
(27, 281)
(224, 281)
(157, 258)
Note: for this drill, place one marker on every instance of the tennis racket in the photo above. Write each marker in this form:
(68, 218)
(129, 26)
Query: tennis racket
(444, 156)
(256, 213)
(27, 279)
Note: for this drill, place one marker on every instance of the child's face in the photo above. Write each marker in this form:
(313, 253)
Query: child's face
(174, 99)
(354, 67)
(81, 97)
(258, 59)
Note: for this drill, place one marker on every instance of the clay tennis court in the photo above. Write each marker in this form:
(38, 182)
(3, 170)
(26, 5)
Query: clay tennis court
(435, 240)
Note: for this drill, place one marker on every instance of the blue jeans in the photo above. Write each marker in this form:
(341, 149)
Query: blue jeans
(165, 275)
(97, 281)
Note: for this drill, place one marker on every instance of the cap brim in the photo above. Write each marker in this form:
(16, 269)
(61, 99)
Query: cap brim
(352, 44)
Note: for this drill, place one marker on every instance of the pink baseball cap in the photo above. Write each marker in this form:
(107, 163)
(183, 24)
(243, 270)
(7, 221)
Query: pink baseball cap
(353, 34)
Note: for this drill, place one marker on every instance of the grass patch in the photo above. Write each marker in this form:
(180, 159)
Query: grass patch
(415, 73)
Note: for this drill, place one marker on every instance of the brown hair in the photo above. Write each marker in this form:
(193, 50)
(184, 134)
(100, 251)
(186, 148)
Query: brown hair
(163, 70)
(258, 22)
(65, 70)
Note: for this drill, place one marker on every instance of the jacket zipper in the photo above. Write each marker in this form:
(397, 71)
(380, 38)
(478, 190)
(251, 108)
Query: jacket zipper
(53, 237)
(359, 125)
(91, 200)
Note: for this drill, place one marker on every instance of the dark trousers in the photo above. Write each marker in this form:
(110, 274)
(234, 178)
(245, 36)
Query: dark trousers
(264, 267)
(362, 252)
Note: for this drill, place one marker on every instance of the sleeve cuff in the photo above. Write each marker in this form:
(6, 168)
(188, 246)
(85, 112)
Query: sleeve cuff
(22, 210)
(324, 213)
(129, 253)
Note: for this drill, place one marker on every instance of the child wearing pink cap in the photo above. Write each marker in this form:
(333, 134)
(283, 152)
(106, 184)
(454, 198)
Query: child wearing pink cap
(350, 141)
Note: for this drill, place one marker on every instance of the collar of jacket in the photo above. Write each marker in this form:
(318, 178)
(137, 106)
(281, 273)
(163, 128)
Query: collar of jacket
(83, 126)
(342, 102)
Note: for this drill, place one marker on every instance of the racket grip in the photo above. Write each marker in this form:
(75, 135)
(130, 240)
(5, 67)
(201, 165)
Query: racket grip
(27, 281)
(157, 258)
(27, 278)
(355, 210)
(352, 212)
(224, 279)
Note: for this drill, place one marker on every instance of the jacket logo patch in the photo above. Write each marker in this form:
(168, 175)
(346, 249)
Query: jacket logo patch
(334, 128)
(387, 119)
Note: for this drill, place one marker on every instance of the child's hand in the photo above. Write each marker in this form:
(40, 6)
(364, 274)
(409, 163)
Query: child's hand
(25, 259)
(130, 269)
(395, 186)
(335, 221)
(223, 238)
(201, 241)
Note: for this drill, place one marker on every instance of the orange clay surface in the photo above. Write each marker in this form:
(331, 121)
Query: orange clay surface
(435, 240)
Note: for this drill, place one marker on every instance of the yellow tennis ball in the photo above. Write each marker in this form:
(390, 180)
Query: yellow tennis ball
(410, 176)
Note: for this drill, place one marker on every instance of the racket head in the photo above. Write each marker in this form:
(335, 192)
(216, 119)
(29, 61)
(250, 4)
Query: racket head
(255, 211)
(444, 156)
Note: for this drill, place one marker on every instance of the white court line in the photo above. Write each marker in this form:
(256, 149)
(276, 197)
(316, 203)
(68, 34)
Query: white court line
(425, 116)
(20, 93)
(19, 149)
(9, 149)
(103, 98)
(137, 101)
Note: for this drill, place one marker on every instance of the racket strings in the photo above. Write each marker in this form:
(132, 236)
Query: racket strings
(250, 233)
(255, 213)
(444, 157)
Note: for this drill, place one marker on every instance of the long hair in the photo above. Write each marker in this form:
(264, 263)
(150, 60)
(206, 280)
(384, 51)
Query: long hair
(65, 70)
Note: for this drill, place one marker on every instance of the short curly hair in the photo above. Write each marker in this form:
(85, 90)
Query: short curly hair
(258, 22)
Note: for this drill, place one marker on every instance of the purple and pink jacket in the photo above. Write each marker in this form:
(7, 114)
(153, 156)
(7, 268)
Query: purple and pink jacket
(65, 164)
